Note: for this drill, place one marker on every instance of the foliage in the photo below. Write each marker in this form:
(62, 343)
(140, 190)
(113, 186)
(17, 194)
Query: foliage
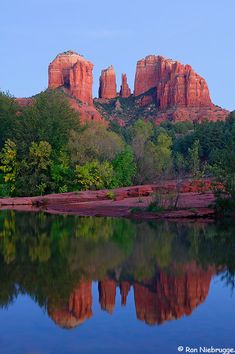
(124, 168)
(8, 116)
(162, 200)
(153, 159)
(94, 175)
(34, 171)
(194, 160)
(94, 142)
(44, 149)
(62, 174)
(110, 195)
(50, 119)
(8, 167)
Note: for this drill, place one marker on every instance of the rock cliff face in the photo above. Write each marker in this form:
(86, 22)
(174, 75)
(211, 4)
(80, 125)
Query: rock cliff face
(108, 86)
(164, 89)
(125, 90)
(71, 71)
(180, 93)
(77, 309)
(175, 83)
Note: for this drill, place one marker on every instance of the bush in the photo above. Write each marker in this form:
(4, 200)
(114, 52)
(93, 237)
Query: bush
(94, 175)
(124, 168)
(225, 206)
(162, 200)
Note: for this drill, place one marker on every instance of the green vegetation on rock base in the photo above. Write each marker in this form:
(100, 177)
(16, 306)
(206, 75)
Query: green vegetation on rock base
(45, 149)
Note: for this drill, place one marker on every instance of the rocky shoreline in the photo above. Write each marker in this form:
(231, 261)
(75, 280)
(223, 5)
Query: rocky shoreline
(195, 202)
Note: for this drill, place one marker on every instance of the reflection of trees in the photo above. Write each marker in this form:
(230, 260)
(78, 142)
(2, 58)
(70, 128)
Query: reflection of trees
(46, 256)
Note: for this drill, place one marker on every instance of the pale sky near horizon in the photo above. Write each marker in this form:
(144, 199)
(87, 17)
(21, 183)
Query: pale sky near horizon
(197, 32)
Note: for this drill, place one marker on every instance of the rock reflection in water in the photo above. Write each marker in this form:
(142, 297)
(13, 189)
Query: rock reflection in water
(55, 259)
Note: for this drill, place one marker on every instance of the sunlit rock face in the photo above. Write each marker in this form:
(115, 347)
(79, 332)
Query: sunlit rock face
(176, 84)
(76, 310)
(108, 86)
(125, 90)
(107, 294)
(171, 296)
(73, 72)
(180, 93)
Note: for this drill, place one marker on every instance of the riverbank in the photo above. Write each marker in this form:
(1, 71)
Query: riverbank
(195, 201)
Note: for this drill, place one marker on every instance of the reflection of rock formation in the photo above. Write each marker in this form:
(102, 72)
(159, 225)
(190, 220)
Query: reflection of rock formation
(172, 296)
(76, 310)
(124, 290)
(107, 295)
(168, 296)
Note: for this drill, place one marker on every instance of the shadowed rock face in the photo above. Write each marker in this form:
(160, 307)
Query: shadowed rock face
(71, 71)
(108, 86)
(125, 90)
(76, 310)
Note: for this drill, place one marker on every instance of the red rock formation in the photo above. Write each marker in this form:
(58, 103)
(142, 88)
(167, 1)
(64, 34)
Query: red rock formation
(172, 296)
(76, 310)
(72, 71)
(125, 90)
(24, 102)
(108, 86)
(124, 290)
(107, 294)
(179, 92)
(176, 84)
(87, 112)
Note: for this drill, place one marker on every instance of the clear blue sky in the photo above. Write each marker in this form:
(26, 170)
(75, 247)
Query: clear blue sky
(198, 32)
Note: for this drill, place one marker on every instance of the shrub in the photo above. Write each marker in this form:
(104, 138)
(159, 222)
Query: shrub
(94, 175)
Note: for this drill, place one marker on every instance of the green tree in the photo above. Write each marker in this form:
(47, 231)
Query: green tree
(124, 167)
(94, 142)
(94, 175)
(224, 171)
(164, 152)
(50, 118)
(34, 171)
(62, 174)
(8, 117)
(8, 167)
(194, 159)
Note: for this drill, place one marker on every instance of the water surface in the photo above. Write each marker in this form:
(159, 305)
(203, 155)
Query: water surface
(88, 285)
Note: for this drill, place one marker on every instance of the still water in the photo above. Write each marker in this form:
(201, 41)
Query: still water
(101, 285)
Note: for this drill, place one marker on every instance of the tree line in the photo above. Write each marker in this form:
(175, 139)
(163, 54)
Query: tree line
(45, 149)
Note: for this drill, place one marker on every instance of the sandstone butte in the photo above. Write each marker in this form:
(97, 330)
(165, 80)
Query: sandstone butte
(125, 90)
(177, 92)
(108, 85)
(166, 297)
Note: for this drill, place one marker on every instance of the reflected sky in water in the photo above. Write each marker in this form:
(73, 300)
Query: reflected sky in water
(89, 285)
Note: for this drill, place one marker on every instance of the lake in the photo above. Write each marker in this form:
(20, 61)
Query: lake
(71, 284)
